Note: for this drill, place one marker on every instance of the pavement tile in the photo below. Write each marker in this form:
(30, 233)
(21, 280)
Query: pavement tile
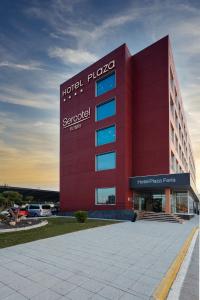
(77, 280)
(5, 291)
(64, 275)
(32, 290)
(63, 287)
(15, 296)
(47, 295)
(80, 293)
(111, 293)
(93, 285)
(98, 297)
(46, 279)
(128, 296)
(19, 283)
(123, 282)
(143, 289)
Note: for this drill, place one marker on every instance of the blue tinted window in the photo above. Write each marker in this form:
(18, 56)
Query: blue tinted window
(105, 135)
(105, 84)
(106, 161)
(106, 110)
(105, 195)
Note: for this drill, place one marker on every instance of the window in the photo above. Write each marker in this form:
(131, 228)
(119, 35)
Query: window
(171, 80)
(106, 161)
(172, 160)
(105, 135)
(176, 96)
(105, 110)
(176, 143)
(172, 107)
(105, 195)
(105, 84)
(179, 131)
(176, 120)
(181, 199)
(177, 166)
(46, 206)
(34, 206)
(172, 134)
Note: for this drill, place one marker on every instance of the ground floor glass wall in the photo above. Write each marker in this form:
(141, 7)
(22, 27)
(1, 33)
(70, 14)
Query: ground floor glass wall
(181, 202)
(150, 201)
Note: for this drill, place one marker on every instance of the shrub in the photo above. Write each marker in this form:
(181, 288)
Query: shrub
(81, 216)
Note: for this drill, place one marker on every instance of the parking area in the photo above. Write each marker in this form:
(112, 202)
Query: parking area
(120, 261)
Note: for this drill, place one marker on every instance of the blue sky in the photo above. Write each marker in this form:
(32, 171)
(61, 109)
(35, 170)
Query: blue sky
(43, 43)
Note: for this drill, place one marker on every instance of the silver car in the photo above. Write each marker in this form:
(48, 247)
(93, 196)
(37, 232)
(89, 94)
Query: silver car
(39, 210)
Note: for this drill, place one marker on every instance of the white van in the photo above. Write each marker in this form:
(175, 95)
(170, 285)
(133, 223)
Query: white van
(39, 210)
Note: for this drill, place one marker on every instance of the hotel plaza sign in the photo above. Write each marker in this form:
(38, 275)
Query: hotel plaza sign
(75, 121)
(160, 181)
(78, 85)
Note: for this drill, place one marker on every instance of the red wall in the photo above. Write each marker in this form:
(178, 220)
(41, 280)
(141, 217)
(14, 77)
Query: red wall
(78, 178)
(151, 110)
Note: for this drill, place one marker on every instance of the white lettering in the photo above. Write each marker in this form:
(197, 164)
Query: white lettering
(102, 70)
(80, 117)
(106, 68)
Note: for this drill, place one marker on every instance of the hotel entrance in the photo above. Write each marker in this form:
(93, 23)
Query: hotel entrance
(168, 193)
(150, 201)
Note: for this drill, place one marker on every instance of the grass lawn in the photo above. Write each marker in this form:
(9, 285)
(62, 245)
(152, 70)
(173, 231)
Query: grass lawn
(55, 226)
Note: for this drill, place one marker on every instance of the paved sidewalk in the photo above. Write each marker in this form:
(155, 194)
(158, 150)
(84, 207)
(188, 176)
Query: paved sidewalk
(120, 261)
(190, 288)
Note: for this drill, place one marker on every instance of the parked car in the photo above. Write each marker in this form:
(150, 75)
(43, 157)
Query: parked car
(22, 211)
(39, 210)
(55, 210)
(4, 213)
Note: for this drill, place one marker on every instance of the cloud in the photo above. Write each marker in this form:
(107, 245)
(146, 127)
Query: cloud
(20, 96)
(26, 67)
(26, 149)
(78, 57)
(58, 15)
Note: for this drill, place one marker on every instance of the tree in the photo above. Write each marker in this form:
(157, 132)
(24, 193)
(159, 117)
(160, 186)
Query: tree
(13, 198)
(29, 199)
(3, 202)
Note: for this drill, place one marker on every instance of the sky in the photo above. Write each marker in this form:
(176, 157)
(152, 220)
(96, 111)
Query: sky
(45, 42)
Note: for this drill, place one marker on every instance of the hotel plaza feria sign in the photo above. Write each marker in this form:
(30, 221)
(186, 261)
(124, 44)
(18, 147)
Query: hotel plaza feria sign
(160, 181)
(74, 122)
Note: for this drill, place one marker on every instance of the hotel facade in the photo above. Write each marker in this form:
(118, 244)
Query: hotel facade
(124, 141)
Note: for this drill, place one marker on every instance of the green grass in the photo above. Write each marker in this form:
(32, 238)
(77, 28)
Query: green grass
(55, 226)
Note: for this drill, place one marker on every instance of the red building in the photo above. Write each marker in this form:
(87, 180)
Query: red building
(124, 140)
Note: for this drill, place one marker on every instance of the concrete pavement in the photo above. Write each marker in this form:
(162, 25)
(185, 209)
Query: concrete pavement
(120, 261)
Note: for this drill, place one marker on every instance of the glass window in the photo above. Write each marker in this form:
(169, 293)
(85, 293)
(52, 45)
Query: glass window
(105, 195)
(105, 110)
(172, 160)
(106, 161)
(106, 135)
(172, 134)
(181, 202)
(172, 107)
(105, 84)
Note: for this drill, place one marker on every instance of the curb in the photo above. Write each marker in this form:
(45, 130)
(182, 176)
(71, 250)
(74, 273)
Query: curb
(43, 223)
(162, 290)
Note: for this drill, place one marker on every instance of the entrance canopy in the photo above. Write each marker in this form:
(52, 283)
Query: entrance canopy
(177, 182)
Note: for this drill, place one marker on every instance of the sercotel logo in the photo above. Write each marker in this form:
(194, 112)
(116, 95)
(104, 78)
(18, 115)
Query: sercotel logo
(78, 118)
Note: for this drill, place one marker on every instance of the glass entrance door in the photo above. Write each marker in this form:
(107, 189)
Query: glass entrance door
(157, 203)
(150, 201)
